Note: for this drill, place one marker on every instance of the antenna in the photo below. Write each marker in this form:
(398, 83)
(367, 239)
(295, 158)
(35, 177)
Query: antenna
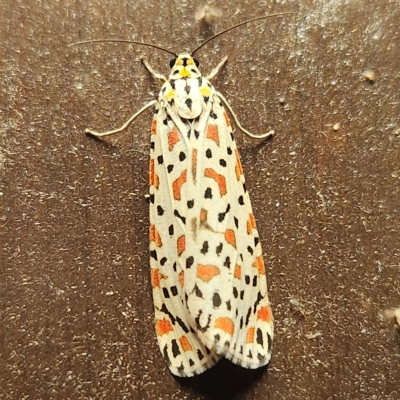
(124, 41)
(237, 26)
(155, 46)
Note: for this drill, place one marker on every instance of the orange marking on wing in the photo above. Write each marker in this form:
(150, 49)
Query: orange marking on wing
(153, 126)
(251, 223)
(264, 314)
(238, 272)
(181, 244)
(212, 133)
(203, 215)
(173, 139)
(185, 344)
(220, 179)
(177, 185)
(153, 178)
(155, 236)
(250, 335)
(206, 272)
(155, 278)
(194, 164)
(238, 167)
(230, 237)
(249, 228)
(163, 326)
(228, 122)
(225, 324)
(182, 278)
(259, 264)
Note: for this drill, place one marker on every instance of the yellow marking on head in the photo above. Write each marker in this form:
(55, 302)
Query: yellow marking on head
(179, 61)
(184, 73)
(190, 61)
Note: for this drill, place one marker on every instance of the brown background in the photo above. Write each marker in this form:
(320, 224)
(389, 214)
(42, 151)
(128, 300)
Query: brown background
(75, 299)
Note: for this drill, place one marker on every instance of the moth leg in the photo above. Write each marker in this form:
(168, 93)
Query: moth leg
(151, 70)
(125, 125)
(252, 135)
(217, 68)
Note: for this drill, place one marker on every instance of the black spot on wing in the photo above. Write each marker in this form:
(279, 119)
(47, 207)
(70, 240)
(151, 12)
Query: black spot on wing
(198, 292)
(213, 115)
(204, 249)
(200, 355)
(227, 262)
(259, 339)
(190, 203)
(175, 348)
(216, 300)
(189, 262)
(176, 213)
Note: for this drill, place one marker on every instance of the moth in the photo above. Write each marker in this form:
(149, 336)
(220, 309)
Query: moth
(207, 271)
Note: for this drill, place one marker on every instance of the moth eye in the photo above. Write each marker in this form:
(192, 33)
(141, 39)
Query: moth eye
(172, 62)
(196, 62)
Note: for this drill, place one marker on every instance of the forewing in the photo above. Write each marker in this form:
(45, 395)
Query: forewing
(226, 288)
(186, 355)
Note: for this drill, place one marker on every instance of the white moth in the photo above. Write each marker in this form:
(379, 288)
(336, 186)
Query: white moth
(207, 271)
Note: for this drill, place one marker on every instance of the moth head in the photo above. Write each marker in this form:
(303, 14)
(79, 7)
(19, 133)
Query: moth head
(184, 66)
